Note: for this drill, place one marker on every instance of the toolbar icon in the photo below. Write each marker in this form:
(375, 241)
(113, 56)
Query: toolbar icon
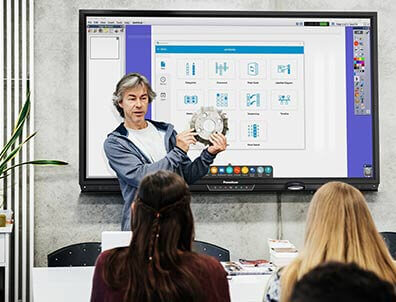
(284, 99)
(213, 170)
(190, 99)
(253, 68)
(229, 170)
(254, 130)
(284, 68)
(268, 170)
(221, 99)
(253, 100)
(190, 69)
(221, 68)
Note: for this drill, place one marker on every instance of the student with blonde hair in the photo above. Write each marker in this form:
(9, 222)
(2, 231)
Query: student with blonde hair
(339, 228)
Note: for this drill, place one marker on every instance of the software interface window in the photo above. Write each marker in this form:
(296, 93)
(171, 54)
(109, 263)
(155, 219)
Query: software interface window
(295, 95)
(258, 85)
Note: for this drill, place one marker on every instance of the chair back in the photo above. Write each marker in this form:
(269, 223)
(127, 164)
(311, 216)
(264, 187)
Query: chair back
(210, 249)
(80, 254)
(390, 240)
(115, 239)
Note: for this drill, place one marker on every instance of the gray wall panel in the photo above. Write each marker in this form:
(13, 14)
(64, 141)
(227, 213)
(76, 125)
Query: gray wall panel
(240, 223)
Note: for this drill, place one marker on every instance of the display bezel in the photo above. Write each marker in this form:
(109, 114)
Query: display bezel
(89, 184)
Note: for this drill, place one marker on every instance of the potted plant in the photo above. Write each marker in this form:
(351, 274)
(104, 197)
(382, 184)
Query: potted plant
(15, 144)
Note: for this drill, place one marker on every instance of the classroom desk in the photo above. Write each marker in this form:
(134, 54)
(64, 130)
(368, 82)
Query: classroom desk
(65, 284)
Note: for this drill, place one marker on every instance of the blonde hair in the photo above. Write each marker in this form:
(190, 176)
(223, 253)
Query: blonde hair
(339, 228)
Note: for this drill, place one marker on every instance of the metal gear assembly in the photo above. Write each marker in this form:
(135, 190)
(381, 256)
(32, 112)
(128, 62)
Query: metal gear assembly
(206, 121)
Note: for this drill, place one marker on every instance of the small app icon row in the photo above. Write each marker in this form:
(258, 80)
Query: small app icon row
(231, 69)
(240, 170)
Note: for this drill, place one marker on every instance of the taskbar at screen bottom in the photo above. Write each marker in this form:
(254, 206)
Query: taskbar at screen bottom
(240, 171)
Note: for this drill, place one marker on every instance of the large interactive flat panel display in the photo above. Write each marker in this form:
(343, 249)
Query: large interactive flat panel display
(299, 91)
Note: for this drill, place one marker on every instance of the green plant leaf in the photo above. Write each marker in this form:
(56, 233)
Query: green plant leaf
(6, 156)
(4, 176)
(10, 156)
(18, 127)
(12, 140)
(39, 162)
(13, 153)
(23, 114)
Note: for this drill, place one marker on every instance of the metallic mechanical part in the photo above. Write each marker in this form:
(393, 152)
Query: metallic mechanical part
(208, 120)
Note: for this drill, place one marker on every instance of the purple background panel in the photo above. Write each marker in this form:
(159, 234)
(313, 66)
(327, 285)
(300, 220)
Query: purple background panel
(359, 127)
(138, 52)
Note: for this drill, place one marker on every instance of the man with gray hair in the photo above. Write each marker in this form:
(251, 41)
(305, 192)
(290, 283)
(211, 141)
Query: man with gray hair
(139, 146)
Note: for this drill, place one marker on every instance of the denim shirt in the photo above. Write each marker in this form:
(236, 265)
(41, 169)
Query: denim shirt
(131, 164)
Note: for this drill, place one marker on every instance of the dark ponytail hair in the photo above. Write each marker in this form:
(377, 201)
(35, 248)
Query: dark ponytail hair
(152, 268)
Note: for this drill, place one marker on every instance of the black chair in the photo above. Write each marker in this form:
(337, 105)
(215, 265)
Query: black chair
(390, 240)
(80, 254)
(206, 248)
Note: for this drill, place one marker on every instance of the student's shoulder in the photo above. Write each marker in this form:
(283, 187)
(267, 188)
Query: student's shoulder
(103, 256)
(209, 259)
(213, 279)
(209, 264)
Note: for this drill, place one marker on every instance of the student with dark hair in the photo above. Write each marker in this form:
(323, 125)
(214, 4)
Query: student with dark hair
(158, 265)
(335, 281)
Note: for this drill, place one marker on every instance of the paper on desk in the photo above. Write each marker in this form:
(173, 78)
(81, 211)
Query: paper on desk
(235, 268)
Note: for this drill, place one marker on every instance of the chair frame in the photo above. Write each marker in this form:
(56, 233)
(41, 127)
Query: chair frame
(220, 254)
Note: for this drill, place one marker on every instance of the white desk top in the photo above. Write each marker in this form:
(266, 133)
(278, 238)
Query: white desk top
(7, 228)
(65, 284)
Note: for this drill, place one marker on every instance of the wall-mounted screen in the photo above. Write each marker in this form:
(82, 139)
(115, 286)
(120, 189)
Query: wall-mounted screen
(299, 91)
